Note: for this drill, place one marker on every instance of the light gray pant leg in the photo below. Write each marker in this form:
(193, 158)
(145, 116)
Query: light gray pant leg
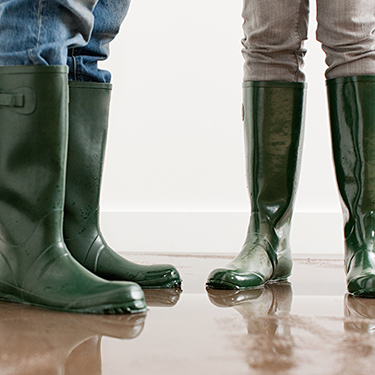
(346, 29)
(273, 44)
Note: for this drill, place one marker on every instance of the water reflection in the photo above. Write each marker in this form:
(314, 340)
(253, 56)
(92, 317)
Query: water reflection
(316, 338)
(37, 342)
(359, 327)
(268, 346)
(360, 314)
(162, 297)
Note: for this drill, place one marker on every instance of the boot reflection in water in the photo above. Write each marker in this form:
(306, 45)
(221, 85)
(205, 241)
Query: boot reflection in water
(359, 340)
(359, 314)
(162, 297)
(269, 343)
(85, 358)
(35, 341)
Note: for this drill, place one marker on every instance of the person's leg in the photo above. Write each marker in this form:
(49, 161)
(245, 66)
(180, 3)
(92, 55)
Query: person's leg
(273, 120)
(347, 33)
(35, 265)
(274, 35)
(83, 61)
(346, 30)
(90, 95)
(39, 32)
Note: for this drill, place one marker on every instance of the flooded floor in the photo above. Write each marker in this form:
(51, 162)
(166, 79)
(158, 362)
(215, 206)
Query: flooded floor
(306, 326)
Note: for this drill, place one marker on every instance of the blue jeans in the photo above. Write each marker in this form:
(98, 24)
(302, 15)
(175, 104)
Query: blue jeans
(76, 33)
(275, 31)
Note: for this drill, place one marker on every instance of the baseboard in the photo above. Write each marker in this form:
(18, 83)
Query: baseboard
(212, 232)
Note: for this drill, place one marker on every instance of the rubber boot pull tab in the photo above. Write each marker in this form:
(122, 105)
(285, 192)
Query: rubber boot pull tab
(21, 100)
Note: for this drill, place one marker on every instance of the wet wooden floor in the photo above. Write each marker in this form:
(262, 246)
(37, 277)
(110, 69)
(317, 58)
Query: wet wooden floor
(306, 326)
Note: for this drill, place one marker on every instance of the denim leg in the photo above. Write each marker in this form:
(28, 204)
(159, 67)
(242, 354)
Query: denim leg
(346, 29)
(39, 32)
(83, 61)
(273, 44)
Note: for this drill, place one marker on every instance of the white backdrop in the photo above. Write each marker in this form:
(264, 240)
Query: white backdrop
(175, 141)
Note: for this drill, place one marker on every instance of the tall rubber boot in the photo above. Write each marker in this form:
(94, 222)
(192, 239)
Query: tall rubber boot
(273, 118)
(88, 119)
(352, 116)
(35, 265)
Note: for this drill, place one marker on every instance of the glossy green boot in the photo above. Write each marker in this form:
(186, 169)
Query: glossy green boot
(352, 115)
(35, 265)
(273, 118)
(88, 123)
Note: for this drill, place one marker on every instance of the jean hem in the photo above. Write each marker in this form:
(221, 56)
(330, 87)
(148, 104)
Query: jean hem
(34, 69)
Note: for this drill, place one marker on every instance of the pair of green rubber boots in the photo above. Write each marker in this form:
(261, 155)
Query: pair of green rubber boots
(52, 253)
(273, 120)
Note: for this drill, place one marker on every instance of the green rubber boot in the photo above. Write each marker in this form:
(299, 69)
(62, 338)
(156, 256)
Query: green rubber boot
(35, 265)
(88, 119)
(352, 115)
(273, 118)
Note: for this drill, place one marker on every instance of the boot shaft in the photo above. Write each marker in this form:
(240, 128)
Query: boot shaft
(33, 143)
(352, 117)
(88, 119)
(273, 126)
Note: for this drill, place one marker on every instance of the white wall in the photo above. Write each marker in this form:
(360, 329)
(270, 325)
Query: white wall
(175, 141)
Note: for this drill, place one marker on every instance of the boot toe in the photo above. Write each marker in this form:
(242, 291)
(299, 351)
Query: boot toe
(363, 286)
(159, 276)
(112, 266)
(61, 283)
(361, 274)
(231, 279)
(110, 298)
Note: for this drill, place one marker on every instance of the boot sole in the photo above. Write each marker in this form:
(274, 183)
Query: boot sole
(365, 293)
(170, 285)
(131, 307)
(229, 286)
